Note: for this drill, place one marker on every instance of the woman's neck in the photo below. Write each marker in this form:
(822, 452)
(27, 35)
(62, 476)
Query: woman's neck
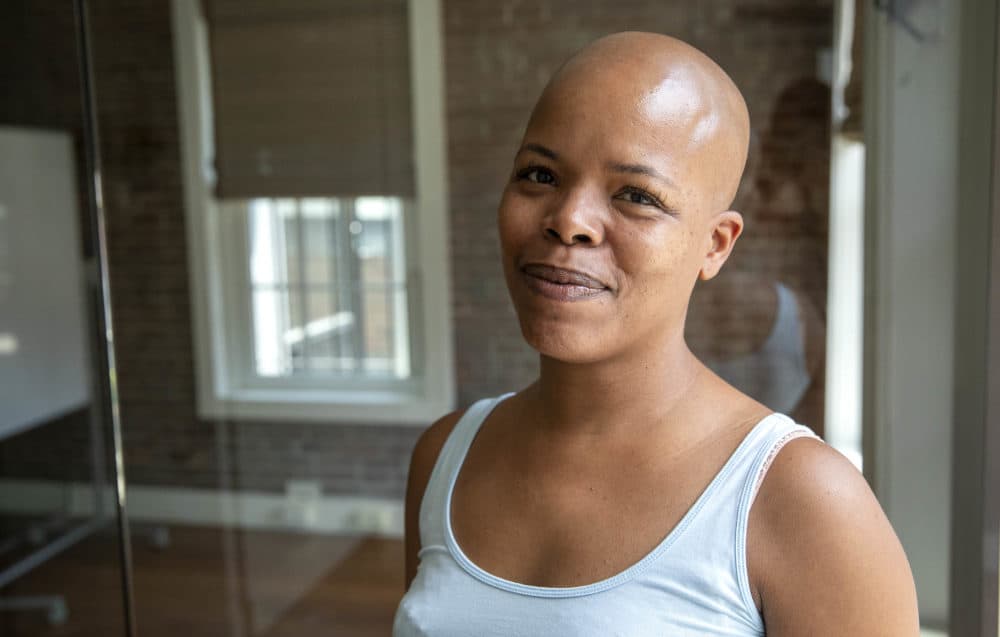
(618, 395)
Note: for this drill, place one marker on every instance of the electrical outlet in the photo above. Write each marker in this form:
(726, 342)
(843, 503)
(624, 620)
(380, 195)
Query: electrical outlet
(303, 490)
(302, 498)
(368, 519)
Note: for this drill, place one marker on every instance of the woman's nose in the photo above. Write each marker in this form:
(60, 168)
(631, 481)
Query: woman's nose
(577, 219)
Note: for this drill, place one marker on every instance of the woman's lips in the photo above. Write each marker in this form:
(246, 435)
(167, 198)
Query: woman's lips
(561, 284)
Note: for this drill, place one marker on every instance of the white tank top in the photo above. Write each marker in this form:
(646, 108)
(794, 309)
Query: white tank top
(694, 582)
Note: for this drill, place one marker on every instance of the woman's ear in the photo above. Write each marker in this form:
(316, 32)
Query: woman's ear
(725, 230)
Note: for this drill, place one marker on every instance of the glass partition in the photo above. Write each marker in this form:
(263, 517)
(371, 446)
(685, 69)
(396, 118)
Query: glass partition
(276, 244)
(299, 205)
(60, 550)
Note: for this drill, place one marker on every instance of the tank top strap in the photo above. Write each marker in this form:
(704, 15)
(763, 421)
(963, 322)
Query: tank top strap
(725, 504)
(782, 431)
(720, 517)
(770, 440)
(452, 454)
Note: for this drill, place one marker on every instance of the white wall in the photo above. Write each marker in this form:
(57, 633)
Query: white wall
(932, 183)
(975, 524)
(912, 114)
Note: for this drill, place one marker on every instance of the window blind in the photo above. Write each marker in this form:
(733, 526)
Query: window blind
(311, 98)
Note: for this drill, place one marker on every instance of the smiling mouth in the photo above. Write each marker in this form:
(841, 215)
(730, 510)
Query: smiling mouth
(561, 284)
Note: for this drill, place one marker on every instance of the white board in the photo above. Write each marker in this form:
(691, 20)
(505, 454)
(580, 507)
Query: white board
(43, 355)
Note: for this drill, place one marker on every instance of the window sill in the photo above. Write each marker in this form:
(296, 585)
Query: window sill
(325, 406)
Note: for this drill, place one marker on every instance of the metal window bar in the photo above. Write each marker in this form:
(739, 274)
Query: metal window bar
(339, 290)
(349, 283)
(303, 282)
(337, 347)
(401, 320)
(354, 285)
(284, 298)
(387, 277)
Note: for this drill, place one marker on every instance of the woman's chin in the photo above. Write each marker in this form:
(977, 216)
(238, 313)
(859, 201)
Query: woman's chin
(565, 345)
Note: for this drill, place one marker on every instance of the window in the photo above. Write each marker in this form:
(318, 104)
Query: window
(327, 288)
(316, 209)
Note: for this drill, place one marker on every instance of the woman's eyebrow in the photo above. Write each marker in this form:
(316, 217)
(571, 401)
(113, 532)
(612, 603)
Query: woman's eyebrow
(544, 151)
(635, 169)
(641, 169)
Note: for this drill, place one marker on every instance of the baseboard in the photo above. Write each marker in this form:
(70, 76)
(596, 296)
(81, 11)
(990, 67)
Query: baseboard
(334, 514)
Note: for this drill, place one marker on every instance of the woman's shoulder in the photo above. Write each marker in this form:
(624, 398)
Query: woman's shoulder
(809, 477)
(818, 539)
(429, 444)
(432, 440)
(814, 498)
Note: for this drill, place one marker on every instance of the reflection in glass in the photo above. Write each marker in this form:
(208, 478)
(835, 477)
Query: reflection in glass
(283, 137)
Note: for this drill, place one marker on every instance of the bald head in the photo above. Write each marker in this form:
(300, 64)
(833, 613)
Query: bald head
(662, 81)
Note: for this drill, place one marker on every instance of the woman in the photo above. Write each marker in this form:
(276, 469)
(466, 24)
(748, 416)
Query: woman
(613, 495)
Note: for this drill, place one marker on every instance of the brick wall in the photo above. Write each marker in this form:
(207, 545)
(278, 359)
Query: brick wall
(498, 57)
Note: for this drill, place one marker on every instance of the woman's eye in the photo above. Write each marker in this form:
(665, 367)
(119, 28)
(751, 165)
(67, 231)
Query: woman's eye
(640, 197)
(537, 175)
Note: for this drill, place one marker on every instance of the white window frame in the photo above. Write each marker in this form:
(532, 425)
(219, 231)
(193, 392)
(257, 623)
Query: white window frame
(425, 396)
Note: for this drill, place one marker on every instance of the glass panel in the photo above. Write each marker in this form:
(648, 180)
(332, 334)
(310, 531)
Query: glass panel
(275, 336)
(765, 311)
(60, 571)
(327, 331)
(376, 242)
(294, 337)
(383, 275)
(292, 246)
(378, 331)
(319, 225)
(267, 244)
(353, 255)
(260, 520)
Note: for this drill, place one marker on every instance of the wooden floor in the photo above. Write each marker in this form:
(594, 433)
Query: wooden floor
(209, 582)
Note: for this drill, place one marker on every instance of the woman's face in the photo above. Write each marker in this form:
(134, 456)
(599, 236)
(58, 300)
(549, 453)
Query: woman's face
(606, 221)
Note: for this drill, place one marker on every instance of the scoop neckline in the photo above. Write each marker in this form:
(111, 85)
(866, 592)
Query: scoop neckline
(607, 583)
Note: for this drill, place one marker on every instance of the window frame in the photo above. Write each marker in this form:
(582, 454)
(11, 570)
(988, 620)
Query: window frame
(216, 304)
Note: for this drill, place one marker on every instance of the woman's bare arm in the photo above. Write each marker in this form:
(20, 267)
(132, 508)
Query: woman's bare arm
(822, 556)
